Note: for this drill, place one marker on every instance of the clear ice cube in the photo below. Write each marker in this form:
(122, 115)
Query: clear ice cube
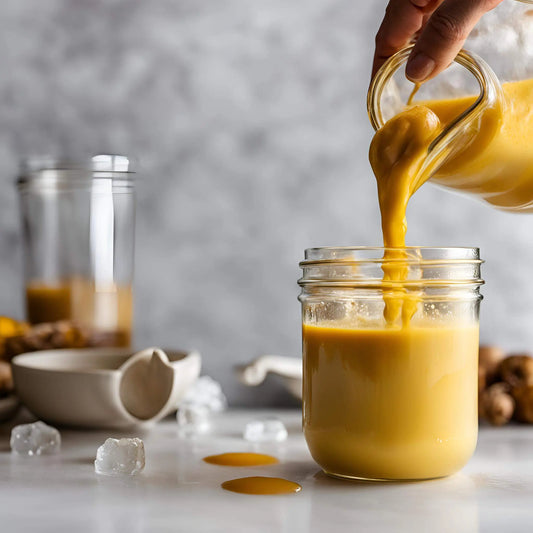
(206, 392)
(35, 439)
(265, 430)
(118, 457)
(193, 419)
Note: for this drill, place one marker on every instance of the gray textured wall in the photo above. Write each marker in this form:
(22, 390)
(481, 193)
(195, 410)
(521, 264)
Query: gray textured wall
(249, 119)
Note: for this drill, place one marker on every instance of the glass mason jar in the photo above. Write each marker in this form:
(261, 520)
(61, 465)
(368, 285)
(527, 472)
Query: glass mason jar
(483, 147)
(389, 402)
(78, 226)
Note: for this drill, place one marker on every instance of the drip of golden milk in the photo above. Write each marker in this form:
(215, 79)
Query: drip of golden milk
(241, 459)
(261, 485)
(397, 154)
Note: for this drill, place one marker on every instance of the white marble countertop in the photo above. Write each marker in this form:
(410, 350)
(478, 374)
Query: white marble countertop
(178, 492)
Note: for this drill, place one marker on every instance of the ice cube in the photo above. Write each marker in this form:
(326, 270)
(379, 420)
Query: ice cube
(193, 419)
(207, 392)
(265, 430)
(120, 457)
(35, 439)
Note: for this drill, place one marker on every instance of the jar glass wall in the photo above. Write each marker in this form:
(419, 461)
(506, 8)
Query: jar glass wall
(390, 401)
(78, 226)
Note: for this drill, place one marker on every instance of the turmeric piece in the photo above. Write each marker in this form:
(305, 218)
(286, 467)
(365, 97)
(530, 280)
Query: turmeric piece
(496, 405)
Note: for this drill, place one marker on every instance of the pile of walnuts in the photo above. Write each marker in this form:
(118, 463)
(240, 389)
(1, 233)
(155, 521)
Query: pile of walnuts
(18, 337)
(505, 386)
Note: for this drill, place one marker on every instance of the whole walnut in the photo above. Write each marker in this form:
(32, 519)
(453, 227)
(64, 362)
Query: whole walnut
(496, 404)
(517, 370)
(46, 336)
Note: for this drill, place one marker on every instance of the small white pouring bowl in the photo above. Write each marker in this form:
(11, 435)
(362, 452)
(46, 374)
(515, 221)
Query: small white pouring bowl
(104, 387)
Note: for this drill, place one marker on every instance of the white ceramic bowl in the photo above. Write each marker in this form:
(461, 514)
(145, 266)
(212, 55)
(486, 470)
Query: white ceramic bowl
(104, 387)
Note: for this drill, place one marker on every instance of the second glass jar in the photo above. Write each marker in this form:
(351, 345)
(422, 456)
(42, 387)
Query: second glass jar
(78, 222)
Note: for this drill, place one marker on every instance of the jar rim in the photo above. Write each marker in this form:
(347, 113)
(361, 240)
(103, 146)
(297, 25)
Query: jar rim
(364, 267)
(51, 168)
(414, 254)
(98, 163)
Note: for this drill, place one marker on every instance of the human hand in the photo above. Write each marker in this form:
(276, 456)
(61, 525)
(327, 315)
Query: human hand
(442, 27)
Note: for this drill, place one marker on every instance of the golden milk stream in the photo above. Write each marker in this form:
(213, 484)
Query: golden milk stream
(496, 165)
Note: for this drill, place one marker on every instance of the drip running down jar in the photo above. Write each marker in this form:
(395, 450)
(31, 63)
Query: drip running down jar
(78, 228)
(389, 401)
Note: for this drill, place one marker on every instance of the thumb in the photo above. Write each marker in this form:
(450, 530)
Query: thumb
(444, 35)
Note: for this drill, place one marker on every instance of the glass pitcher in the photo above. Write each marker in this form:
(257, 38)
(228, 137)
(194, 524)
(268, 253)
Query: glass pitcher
(483, 147)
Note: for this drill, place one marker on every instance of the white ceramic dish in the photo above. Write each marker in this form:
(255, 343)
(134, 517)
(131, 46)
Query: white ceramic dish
(289, 369)
(104, 387)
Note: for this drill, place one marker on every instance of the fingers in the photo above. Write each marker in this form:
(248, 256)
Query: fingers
(444, 35)
(403, 19)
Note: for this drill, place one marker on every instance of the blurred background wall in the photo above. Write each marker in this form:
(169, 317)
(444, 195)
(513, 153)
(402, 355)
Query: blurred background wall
(248, 119)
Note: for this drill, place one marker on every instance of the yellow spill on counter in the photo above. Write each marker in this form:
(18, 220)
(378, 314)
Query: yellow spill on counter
(241, 459)
(253, 484)
(261, 485)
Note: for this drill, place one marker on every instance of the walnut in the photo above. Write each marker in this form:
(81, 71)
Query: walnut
(46, 336)
(517, 370)
(496, 405)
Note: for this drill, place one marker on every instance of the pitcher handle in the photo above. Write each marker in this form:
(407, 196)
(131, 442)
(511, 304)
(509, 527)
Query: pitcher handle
(490, 95)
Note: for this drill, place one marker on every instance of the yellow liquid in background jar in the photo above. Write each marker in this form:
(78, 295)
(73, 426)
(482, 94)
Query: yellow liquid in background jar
(399, 401)
(105, 312)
